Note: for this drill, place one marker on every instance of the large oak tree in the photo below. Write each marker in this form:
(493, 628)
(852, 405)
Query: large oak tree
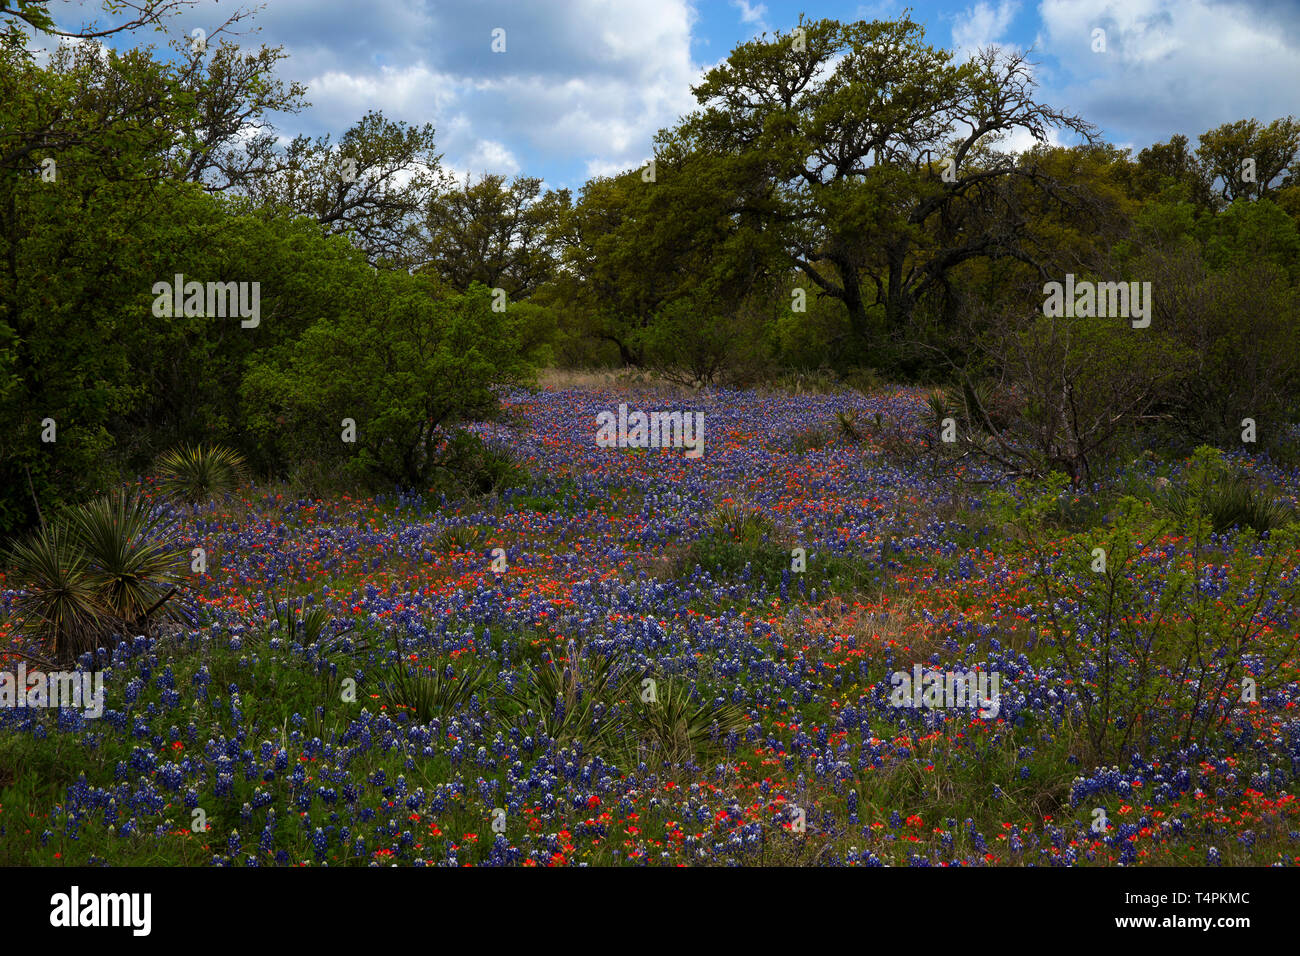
(855, 122)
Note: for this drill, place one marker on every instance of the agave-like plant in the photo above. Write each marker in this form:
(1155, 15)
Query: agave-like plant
(299, 624)
(677, 730)
(106, 566)
(194, 473)
(134, 566)
(847, 421)
(59, 604)
(581, 699)
(460, 538)
(939, 403)
(1228, 502)
(742, 522)
(434, 690)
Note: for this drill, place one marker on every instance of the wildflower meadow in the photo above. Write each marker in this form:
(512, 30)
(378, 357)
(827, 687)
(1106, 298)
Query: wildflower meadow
(719, 437)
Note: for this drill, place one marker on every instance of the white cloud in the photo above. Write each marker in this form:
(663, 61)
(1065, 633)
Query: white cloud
(752, 13)
(602, 167)
(587, 82)
(1020, 140)
(981, 26)
(487, 156)
(1172, 65)
(406, 93)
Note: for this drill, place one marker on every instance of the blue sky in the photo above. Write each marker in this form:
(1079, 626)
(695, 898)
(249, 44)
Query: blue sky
(583, 85)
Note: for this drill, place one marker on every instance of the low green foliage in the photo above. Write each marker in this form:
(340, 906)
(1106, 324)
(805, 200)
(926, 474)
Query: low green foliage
(1157, 654)
(460, 538)
(675, 730)
(809, 439)
(466, 465)
(741, 522)
(1228, 501)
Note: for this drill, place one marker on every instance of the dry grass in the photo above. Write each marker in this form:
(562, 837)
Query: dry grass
(558, 378)
(894, 621)
(645, 383)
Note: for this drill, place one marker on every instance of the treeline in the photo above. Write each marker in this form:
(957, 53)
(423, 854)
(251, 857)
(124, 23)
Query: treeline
(837, 203)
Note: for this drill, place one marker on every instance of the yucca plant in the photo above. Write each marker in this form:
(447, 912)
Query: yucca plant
(195, 473)
(676, 730)
(1226, 503)
(299, 624)
(133, 564)
(741, 522)
(59, 604)
(432, 690)
(939, 404)
(848, 426)
(105, 567)
(460, 538)
(582, 699)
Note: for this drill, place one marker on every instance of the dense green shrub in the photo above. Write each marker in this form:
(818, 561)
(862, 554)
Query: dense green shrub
(381, 387)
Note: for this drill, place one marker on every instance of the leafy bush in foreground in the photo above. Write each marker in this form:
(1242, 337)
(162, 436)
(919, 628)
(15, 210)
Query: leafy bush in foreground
(1165, 630)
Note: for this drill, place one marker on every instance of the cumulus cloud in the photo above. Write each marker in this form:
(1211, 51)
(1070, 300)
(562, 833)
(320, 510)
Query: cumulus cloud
(752, 14)
(581, 84)
(487, 156)
(1172, 65)
(981, 26)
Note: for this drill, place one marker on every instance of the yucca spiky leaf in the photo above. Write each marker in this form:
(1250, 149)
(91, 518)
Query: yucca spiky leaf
(194, 473)
(433, 690)
(460, 538)
(742, 522)
(580, 699)
(677, 729)
(58, 605)
(132, 564)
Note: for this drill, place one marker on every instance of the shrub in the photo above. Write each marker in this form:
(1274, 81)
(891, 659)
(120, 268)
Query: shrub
(864, 380)
(1155, 656)
(720, 553)
(429, 366)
